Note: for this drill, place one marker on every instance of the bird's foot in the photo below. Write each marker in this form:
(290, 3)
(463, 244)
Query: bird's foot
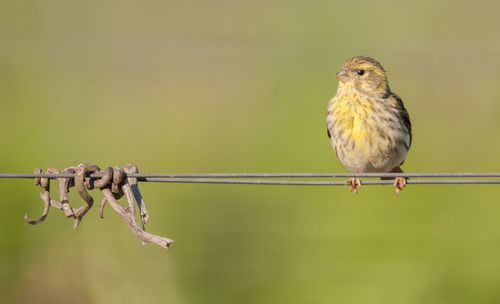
(355, 183)
(399, 183)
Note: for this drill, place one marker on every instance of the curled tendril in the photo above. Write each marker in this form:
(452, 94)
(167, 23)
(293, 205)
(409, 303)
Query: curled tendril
(44, 182)
(117, 180)
(81, 171)
(114, 184)
(64, 185)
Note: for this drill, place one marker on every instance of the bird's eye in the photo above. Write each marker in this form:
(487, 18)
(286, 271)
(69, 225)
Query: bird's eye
(361, 72)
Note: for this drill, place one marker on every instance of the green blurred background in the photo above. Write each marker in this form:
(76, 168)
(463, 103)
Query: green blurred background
(242, 86)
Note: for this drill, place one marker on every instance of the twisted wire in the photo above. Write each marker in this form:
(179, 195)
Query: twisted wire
(270, 178)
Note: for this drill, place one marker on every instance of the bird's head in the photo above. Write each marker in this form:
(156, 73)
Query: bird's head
(366, 75)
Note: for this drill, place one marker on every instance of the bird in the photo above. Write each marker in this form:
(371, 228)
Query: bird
(368, 125)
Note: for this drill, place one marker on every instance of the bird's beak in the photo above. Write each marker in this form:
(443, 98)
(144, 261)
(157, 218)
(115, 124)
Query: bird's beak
(342, 75)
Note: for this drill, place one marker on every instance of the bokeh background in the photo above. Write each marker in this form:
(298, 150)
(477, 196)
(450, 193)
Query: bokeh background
(242, 86)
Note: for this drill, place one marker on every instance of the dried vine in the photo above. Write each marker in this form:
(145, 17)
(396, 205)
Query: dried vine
(114, 184)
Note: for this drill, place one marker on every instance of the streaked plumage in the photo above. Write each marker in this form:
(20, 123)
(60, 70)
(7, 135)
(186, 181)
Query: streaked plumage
(368, 125)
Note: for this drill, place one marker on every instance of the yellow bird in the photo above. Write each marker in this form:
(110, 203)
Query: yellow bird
(368, 125)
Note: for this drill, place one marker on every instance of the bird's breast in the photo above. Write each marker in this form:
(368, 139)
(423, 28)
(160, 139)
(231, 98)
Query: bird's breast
(355, 122)
(364, 133)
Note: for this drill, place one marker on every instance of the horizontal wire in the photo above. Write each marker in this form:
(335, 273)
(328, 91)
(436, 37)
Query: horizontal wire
(262, 175)
(235, 178)
(314, 175)
(313, 183)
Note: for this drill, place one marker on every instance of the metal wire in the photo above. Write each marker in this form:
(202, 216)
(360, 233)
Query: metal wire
(264, 175)
(313, 183)
(235, 178)
(315, 175)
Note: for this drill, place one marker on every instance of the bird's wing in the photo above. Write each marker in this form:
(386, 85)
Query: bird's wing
(328, 113)
(404, 116)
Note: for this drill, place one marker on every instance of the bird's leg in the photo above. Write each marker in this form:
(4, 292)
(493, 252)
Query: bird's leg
(355, 183)
(399, 182)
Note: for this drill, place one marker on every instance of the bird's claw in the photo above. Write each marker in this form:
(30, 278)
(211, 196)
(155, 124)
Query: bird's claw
(399, 183)
(355, 183)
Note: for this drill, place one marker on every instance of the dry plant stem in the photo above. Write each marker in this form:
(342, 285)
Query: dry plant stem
(113, 185)
(141, 204)
(64, 185)
(54, 203)
(131, 189)
(101, 208)
(45, 183)
(118, 177)
(130, 201)
(81, 171)
(107, 175)
(130, 198)
(132, 223)
(103, 182)
(46, 199)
